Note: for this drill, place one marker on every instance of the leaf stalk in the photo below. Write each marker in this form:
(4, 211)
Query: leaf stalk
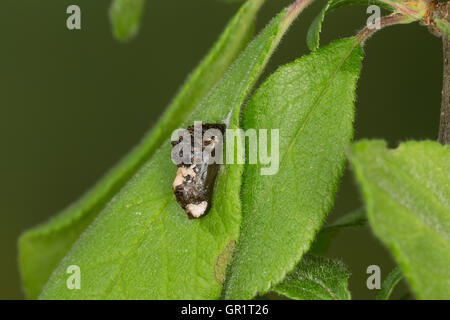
(395, 18)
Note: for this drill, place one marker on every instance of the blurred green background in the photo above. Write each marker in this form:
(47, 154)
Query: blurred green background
(72, 103)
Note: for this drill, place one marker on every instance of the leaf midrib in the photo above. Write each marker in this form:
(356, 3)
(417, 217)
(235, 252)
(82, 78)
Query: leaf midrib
(413, 214)
(316, 104)
(423, 190)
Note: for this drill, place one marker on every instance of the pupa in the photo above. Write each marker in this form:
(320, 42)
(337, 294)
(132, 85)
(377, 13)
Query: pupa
(195, 178)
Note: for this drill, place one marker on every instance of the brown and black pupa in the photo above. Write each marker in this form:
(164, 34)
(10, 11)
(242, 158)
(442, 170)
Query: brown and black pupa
(194, 182)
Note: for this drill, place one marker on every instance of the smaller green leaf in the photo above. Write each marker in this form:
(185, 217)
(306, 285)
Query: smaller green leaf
(354, 219)
(126, 16)
(407, 195)
(313, 36)
(316, 278)
(389, 284)
(311, 103)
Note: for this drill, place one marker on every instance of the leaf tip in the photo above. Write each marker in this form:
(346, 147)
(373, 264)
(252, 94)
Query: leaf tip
(125, 17)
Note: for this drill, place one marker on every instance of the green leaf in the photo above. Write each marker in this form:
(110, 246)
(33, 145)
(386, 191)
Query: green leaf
(126, 16)
(313, 35)
(407, 195)
(327, 234)
(311, 101)
(142, 246)
(389, 284)
(316, 278)
(42, 248)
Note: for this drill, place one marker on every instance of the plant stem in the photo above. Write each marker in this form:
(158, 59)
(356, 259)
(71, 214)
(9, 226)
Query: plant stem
(444, 126)
(385, 21)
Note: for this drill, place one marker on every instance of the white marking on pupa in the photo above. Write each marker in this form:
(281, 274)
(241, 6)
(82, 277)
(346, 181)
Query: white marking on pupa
(182, 173)
(197, 210)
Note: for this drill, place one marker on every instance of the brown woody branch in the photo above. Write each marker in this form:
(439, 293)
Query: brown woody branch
(444, 126)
